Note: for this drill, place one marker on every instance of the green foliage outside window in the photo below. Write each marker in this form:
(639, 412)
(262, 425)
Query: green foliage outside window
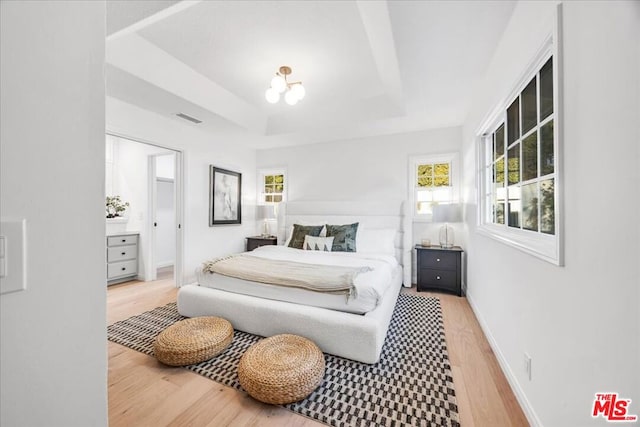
(273, 188)
(528, 158)
(433, 175)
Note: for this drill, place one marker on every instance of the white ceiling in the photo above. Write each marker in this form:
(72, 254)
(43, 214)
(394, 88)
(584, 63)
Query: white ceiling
(368, 67)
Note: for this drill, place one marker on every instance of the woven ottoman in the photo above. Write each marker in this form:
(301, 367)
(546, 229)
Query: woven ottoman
(281, 369)
(193, 340)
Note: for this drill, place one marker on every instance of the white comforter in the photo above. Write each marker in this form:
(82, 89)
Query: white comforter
(370, 286)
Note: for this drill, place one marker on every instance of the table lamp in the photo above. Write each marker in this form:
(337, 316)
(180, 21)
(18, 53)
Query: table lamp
(447, 213)
(266, 213)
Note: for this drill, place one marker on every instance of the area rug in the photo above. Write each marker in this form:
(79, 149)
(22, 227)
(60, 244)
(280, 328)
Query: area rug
(411, 385)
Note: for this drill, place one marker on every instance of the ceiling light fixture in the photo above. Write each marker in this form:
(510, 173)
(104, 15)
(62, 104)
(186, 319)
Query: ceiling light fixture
(279, 84)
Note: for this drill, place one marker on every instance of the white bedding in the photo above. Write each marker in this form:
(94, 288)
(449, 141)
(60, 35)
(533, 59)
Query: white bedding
(370, 286)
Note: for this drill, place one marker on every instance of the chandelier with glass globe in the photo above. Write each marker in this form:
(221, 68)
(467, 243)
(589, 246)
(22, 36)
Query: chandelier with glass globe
(293, 91)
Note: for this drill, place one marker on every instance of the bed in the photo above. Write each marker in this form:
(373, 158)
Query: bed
(353, 327)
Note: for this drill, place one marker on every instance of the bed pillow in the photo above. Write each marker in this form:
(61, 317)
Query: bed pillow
(312, 243)
(376, 241)
(345, 237)
(289, 231)
(299, 233)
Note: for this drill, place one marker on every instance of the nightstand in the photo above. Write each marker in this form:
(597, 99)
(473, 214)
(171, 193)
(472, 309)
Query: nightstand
(257, 241)
(439, 269)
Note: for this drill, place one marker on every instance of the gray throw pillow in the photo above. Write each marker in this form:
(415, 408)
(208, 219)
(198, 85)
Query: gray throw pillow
(344, 237)
(299, 231)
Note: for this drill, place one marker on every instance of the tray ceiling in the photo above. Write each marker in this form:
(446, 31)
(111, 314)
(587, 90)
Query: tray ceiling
(369, 68)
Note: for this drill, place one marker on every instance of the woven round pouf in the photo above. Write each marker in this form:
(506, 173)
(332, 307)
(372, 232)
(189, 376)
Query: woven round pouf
(281, 369)
(193, 340)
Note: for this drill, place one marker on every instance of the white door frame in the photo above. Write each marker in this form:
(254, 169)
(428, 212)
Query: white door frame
(178, 275)
(178, 188)
(151, 269)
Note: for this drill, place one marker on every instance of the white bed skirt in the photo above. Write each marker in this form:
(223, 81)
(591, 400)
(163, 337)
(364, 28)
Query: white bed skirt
(354, 336)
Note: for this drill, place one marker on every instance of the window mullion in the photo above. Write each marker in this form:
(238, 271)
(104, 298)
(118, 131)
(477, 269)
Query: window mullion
(539, 150)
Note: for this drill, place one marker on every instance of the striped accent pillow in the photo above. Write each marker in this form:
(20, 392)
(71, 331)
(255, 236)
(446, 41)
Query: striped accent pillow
(313, 243)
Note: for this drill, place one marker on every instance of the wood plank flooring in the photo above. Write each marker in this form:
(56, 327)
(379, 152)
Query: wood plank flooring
(143, 392)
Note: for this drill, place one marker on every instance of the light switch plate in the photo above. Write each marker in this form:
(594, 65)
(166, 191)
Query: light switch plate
(14, 261)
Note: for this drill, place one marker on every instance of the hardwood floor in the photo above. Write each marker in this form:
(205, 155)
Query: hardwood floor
(143, 392)
(165, 273)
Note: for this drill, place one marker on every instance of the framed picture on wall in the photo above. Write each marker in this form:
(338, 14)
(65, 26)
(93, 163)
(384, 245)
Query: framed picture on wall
(225, 197)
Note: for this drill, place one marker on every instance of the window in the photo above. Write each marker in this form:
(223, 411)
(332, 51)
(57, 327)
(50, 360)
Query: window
(518, 167)
(433, 182)
(272, 183)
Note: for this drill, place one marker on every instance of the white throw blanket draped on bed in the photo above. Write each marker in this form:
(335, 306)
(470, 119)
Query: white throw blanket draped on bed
(314, 277)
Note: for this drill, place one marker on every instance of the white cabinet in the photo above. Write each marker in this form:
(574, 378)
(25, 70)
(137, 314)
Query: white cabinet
(122, 257)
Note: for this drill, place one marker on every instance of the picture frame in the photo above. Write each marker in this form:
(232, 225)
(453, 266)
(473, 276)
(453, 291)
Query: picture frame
(225, 196)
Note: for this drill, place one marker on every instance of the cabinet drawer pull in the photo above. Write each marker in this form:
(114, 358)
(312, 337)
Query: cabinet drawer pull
(124, 240)
(124, 268)
(437, 277)
(438, 259)
(123, 253)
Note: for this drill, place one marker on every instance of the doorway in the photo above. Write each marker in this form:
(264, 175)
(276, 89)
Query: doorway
(148, 177)
(163, 210)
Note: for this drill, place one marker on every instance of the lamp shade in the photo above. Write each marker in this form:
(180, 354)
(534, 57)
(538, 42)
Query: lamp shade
(279, 83)
(266, 212)
(447, 213)
(290, 97)
(272, 96)
(298, 91)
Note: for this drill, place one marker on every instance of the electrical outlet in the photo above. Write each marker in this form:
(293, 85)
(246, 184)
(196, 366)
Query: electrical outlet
(527, 365)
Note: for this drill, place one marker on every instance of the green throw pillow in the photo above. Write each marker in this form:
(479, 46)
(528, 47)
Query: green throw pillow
(345, 237)
(299, 231)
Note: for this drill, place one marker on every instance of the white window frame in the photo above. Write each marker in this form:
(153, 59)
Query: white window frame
(454, 179)
(260, 185)
(544, 246)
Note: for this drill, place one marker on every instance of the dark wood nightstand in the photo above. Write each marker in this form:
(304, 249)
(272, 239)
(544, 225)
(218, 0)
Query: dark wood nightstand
(439, 269)
(257, 241)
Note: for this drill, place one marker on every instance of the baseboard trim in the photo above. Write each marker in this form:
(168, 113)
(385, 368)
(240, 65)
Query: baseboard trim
(528, 410)
(164, 264)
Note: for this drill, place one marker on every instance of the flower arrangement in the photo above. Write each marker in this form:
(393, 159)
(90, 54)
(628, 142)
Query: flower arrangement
(116, 207)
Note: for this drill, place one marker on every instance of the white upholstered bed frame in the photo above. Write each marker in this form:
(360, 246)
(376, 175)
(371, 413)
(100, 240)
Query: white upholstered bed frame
(357, 337)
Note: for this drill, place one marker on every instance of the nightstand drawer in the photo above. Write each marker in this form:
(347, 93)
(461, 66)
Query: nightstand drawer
(445, 279)
(123, 268)
(122, 253)
(440, 260)
(122, 240)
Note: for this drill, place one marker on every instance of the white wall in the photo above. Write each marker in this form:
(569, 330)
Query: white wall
(579, 323)
(374, 168)
(358, 169)
(201, 242)
(53, 348)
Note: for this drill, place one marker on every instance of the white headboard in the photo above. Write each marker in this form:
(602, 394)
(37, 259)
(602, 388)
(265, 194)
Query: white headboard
(371, 214)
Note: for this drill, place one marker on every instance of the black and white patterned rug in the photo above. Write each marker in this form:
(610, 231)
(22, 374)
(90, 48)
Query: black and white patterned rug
(412, 383)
